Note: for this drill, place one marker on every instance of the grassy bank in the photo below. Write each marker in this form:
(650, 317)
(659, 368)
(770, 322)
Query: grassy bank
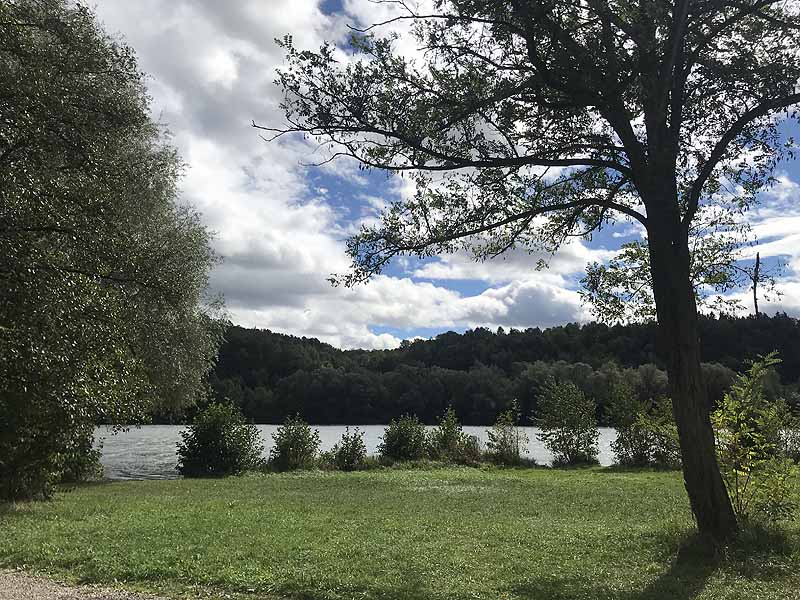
(396, 534)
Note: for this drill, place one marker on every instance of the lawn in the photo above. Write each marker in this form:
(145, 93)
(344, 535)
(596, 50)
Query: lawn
(397, 534)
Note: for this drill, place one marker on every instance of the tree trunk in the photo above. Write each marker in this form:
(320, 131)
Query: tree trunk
(756, 276)
(679, 342)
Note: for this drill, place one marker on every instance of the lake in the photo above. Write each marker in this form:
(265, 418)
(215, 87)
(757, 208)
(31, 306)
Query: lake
(149, 452)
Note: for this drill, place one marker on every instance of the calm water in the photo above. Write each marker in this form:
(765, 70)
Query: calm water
(148, 452)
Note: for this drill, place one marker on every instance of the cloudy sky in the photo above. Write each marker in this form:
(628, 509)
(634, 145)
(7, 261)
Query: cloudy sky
(281, 226)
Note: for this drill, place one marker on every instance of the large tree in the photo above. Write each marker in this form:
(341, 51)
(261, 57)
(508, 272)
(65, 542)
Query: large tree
(102, 270)
(527, 121)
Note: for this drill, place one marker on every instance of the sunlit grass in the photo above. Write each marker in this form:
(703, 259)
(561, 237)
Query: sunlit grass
(447, 533)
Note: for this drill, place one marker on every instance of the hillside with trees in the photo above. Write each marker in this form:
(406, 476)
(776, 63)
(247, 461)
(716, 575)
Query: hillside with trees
(271, 375)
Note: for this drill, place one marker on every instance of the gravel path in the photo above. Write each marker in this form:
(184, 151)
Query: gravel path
(21, 586)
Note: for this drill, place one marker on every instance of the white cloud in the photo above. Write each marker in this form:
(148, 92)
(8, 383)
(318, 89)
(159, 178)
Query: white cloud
(212, 66)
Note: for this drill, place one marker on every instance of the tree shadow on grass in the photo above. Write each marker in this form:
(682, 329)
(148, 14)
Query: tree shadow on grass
(691, 566)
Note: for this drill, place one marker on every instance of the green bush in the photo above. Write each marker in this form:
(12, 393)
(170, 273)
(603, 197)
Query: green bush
(646, 431)
(754, 465)
(350, 453)
(295, 446)
(404, 439)
(568, 424)
(634, 443)
(507, 441)
(81, 461)
(660, 425)
(448, 442)
(219, 442)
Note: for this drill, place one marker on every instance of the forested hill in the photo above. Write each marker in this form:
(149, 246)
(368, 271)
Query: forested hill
(271, 375)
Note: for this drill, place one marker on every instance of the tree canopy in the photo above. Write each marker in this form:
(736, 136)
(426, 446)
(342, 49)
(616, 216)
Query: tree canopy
(525, 122)
(103, 272)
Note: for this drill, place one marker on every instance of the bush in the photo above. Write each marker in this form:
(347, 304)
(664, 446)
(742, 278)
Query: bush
(751, 454)
(568, 424)
(404, 439)
(295, 446)
(506, 441)
(646, 431)
(219, 442)
(633, 445)
(660, 425)
(81, 462)
(448, 441)
(350, 453)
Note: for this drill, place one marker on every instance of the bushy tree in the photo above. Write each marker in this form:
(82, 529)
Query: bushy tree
(449, 442)
(349, 453)
(219, 442)
(404, 439)
(526, 122)
(506, 442)
(568, 425)
(749, 429)
(294, 445)
(102, 271)
(633, 444)
(646, 432)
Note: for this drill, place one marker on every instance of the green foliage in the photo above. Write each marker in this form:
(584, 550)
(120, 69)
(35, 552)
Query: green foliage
(448, 441)
(81, 462)
(646, 431)
(622, 290)
(660, 424)
(404, 439)
(350, 453)
(506, 441)
(568, 424)
(754, 465)
(103, 272)
(267, 374)
(294, 446)
(219, 442)
(633, 444)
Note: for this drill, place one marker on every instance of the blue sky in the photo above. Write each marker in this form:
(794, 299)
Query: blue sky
(281, 226)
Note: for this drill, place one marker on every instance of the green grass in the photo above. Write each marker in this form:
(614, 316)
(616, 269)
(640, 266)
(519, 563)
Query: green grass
(397, 534)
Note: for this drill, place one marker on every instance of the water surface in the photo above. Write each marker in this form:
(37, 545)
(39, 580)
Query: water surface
(149, 452)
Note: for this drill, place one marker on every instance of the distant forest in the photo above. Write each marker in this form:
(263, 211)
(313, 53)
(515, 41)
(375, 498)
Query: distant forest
(271, 375)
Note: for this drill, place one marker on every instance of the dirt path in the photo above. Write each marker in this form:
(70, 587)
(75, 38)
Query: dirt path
(21, 586)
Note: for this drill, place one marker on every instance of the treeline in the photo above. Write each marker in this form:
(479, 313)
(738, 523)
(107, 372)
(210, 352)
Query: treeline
(271, 376)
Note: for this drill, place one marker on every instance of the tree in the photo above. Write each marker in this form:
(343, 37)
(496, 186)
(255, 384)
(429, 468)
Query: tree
(567, 423)
(102, 271)
(622, 290)
(219, 442)
(524, 122)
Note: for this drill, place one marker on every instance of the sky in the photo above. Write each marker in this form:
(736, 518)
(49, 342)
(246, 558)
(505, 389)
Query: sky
(281, 226)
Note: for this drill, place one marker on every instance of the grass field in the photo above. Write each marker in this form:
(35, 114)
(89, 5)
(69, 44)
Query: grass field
(397, 534)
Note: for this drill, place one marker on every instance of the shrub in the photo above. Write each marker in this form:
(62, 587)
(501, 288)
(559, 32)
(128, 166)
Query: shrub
(748, 430)
(506, 441)
(81, 461)
(449, 442)
(404, 439)
(634, 443)
(219, 442)
(295, 445)
(660, 425)
(350, 453)
(568, 424)
(646, 431)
